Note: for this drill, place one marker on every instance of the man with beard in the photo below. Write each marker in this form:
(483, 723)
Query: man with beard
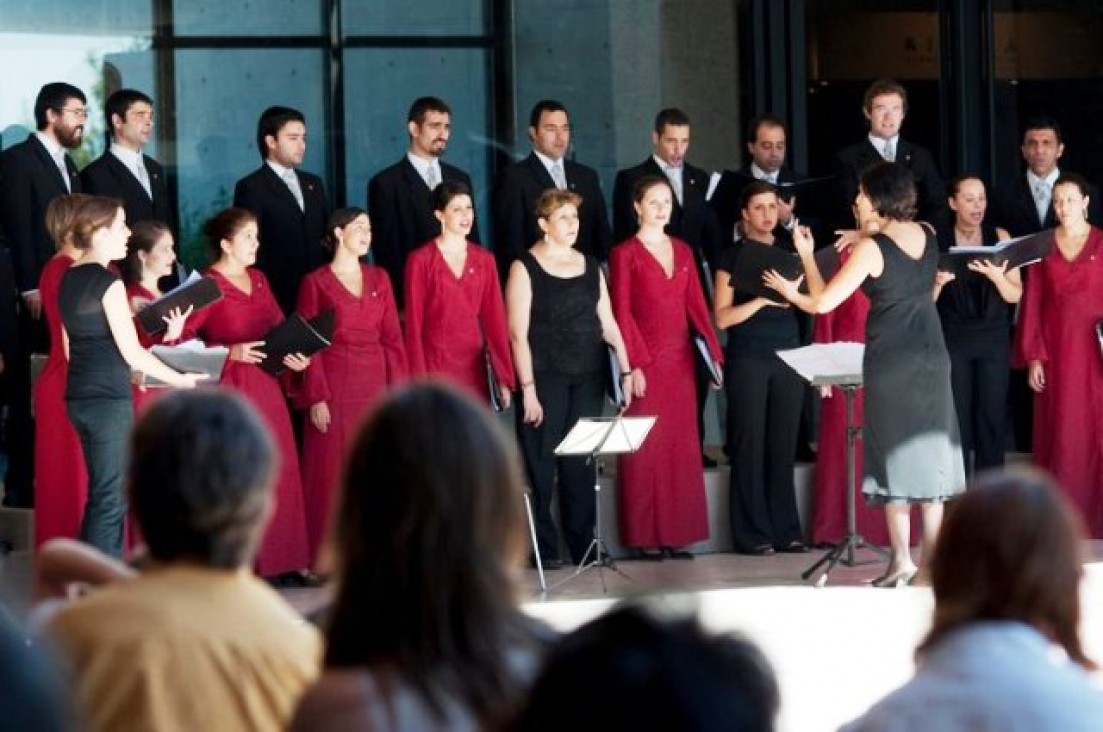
(32, 174)
(400, 198)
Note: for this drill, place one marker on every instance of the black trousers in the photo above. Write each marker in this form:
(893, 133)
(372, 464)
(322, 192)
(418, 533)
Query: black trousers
(565, 399)
(764, 405)
(979, 376)
(103, 426)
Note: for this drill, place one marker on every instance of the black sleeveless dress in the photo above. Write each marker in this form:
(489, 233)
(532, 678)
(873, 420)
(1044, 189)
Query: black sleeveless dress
(910, 436)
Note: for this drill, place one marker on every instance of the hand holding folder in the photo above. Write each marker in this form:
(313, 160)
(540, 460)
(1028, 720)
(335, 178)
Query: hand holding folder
(195, 292)
(296, 335)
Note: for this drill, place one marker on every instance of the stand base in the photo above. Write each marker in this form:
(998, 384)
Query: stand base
(848, 546)
(596, 556)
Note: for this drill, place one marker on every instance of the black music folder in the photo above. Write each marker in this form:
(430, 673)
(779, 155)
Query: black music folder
(196, 292)
(296, 335)
(704, 358)
(756, 259)
(1017, 252)
(614, 385)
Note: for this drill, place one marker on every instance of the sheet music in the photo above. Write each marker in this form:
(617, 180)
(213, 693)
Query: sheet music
(827, 363)
(587, 434)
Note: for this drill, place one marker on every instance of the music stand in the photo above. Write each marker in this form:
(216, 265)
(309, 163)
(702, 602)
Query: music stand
(838, 365)
(597, 436)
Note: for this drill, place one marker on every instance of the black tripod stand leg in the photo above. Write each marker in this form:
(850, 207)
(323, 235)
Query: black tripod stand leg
(832, 556)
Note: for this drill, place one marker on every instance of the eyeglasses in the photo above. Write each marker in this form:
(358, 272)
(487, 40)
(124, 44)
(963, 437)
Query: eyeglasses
(78, 112)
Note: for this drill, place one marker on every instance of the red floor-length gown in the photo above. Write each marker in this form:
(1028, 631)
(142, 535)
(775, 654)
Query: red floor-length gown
(1062, 306)
(366, 357)
(239, 318)
(61, 480)
(447, 318)
(661, 488)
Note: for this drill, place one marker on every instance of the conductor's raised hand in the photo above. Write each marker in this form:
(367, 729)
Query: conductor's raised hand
(533, 411)
(803, 241)
(846, 238)
(296, 361)
(249, 352)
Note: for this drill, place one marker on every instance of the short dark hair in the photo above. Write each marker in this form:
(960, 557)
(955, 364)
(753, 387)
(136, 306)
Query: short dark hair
(144, 235)
(423, 106)
(671, 116)
(447, 190)
(1074, 179)
(646, 183)
(881, 87)
(1043, 122)
(339, 219)
(225, 225)
(752, 189)
(54, 96)
(629, 669)
(954, 186)
(200, 477)
(764, 120)
(1010, 549)
(119, 103)
(271, 122)
(544, 105)
(890, 188)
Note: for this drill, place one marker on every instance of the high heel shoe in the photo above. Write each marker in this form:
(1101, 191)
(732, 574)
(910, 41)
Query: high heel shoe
(900, 578)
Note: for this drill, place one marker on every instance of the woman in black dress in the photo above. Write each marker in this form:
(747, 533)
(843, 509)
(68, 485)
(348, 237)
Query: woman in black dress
(910, 439)
(975, 314)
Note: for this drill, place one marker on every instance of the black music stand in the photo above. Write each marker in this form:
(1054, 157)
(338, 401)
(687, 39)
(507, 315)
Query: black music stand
(596, 437)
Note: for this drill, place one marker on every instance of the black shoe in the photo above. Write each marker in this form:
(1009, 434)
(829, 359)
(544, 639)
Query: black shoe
(707, 462)
(794, 547)
(762, 550)
(646, 556)
(671, 553)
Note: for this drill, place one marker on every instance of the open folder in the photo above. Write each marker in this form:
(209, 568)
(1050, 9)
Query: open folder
(197, 292)
(296, 335)
(190, 357)
(1016, 253)
(605, 435)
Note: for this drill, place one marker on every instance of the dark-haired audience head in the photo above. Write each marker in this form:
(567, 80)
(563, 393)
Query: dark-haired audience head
(228, 229)
(885, 104)
(550, 129)
(281, 136)
(93, 215)
(767, 142)
(1042, 145)
(32, 691)
(670, 136)
(150, 245)
(59, 110)
(340, 224)
(629, 669)
(129, 117)
(200, 475)
(430, 518)
(429, 123)
(557, 215)
(1010, 550)
(60, 215)
(968, 199)
(890, 189)
(758, 206)
(1071, 198)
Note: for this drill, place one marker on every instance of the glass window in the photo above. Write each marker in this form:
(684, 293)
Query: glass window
(404, 18)
(220, 94)
(266, 18)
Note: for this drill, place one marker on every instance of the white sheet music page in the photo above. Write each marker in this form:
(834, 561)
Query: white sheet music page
(827, 363)
(586, 436)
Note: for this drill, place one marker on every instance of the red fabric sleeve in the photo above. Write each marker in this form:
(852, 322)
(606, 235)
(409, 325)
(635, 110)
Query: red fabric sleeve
(620, 293)
(492, 315)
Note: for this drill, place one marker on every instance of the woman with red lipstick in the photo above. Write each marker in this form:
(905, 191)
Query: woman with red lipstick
(975, 313)
(454, 306)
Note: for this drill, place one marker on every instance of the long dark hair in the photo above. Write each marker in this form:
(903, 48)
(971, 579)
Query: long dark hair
(428, 537)
(144, 235)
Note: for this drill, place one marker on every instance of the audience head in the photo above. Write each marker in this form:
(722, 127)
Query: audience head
(968, 199)
(550, 129)
(885, 104)
(59, 110)
(429, 123)
(889, 191)
(231, 234)
(557, 215)
(453, 207)
(349, 227)
(99, 224)
(1042, 145)
(201, 468)
(1009, 550)
(129, 114)
(766, 142)
(670, 138)
(758, 205)
(281, 136)
(149, 249)
(430, 518)
(653, 200)
(1071, 198)
(60, 215)
(629, 669)
(32, 693)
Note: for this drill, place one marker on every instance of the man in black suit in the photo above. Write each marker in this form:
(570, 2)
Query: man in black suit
(400, 198)
(33, 173)
(520, 185)
(885, 104)
(291, 206)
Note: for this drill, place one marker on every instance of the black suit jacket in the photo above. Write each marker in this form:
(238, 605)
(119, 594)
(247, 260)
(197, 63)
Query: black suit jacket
(108, 176)
(852, 161)
(725, 200)
(29, 180)
(519, 186)
(1013, 208)
(290, 238)
(401, 209)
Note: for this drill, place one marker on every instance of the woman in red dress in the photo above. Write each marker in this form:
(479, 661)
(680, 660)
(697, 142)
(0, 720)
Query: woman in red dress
(346, 379)
(658, 304)
(240, 320)
(454, 306)
(1056, 339)
(61, 480)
